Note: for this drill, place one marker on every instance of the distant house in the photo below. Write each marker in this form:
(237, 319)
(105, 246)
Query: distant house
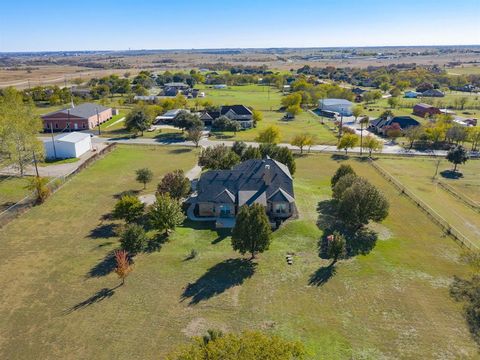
(341, 106)
(465, 122)
(433, 93)
(81, 92)
(358, 91)
(425, 109)
(411, 94)
(177, 85)
(170, 91)
(220, 86)
(169, 116)
(221, 193)
(239, 113)
(380, 126)
(80, 117)
(68, 145)
(146, 98)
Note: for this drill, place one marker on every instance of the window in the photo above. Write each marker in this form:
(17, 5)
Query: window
(225, 210)
(56, 125)
(83, 125)
(281, 208)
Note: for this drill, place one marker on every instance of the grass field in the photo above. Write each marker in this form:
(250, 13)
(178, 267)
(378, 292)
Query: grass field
(305, 122)
(416, 174)
(12, 190)
(65, 301)
(464, 70)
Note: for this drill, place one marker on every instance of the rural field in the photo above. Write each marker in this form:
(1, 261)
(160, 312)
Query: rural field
(417, 175)
(60, 298)
(12, 190)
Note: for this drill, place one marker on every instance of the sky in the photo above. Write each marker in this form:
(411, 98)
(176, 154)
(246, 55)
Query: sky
(34, 25)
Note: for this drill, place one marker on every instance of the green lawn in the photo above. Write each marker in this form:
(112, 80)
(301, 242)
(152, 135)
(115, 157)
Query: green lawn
(305, 122)
(258, 96)
(12, 190)
(416, 174)
(60, 299)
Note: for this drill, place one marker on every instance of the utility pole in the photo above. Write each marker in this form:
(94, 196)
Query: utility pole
(53, 141)
(35, 161)
(340, 130)
(68, 120)
(98, 122)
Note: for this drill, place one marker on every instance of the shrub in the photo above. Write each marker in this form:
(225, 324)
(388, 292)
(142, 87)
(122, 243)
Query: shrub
(133, 239)
(128, 208)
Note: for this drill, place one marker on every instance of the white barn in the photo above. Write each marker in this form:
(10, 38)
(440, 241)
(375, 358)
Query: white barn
(341, 106)
(70, 145)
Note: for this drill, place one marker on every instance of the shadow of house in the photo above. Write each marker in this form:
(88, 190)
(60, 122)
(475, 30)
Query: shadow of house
(104, 267)
(222, 234)
(322, 275)
(218, 279)
(99, 296)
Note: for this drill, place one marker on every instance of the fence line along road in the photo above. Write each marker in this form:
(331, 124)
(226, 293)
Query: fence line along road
(437, 219)
(55, 184)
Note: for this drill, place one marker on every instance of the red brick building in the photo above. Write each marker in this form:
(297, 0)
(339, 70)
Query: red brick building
(424, 109)
(81, 117)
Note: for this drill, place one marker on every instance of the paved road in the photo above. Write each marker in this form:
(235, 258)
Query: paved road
(387, 149)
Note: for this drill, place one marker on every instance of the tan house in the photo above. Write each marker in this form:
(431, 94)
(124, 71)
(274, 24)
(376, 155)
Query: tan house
(220, 193)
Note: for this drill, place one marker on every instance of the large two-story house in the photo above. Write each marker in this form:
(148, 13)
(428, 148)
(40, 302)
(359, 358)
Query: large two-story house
(239, 113)
(221, 193)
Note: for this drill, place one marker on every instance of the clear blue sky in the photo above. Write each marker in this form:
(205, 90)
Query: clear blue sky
(28, 25)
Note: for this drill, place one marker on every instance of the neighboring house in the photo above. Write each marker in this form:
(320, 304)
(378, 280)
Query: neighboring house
(147, 98)
(433, 93)
(170, 91)
(69, 145)
(81, 92)
(412, 94)
(358, 91)
(169, 116)
(239, 113)
(80, 117)
(341, 106)
(221, 193)
(465, 88)
(380, 126)
(425, 109)
(465, 122)
(177, 85)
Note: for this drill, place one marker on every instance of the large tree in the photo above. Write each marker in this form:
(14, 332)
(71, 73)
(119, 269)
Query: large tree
(218, 157)
(133, 238)
(271, 135)
(360, 203)
(347, 141)
(195, 135)
(166, 214)
(252, 232)
(187, 121)
(128, 208)
(249, 345)
(457, 155)
(342, 170)
(302, 140)
(144, 176)
(138, 120)
(371, 143)
(174, 183)
(19, 128)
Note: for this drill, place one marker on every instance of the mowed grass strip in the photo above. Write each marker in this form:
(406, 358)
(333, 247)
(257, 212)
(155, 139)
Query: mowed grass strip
(65, 302)
(417, 175)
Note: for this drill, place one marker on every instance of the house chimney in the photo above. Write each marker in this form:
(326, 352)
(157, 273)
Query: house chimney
(267, 176)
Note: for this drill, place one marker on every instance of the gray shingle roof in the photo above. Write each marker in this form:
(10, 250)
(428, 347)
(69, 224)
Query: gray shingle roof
(84, 110)
(247, 182)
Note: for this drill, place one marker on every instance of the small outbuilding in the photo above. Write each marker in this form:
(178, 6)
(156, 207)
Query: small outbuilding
(69, 145)
(341, 106)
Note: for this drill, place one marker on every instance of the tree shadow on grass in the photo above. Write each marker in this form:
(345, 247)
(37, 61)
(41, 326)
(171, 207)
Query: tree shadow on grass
(169, 138)
(322, 275)
(156, 243)
(339, 157)
(104, 231)
(450, 174)
(126, 192)
(99, 296)
(180, 151)
(104, 267)
(222, 234)
(218, 279)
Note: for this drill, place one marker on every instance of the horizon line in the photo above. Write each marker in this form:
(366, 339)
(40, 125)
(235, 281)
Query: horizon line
(243, 48)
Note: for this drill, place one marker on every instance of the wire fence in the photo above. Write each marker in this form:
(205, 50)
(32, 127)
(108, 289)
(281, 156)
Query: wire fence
(437, 219)
(53, 185)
